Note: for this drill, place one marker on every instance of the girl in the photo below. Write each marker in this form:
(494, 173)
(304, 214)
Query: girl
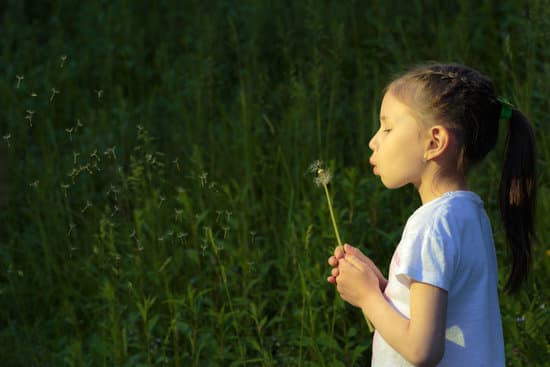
(439, 305)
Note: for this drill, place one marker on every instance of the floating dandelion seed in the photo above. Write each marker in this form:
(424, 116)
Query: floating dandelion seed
(73, 174)
(177, 163)
(86, 167)
(253, 236)
(75, 157)
(33, 94)
(161, 200)
(110, 152)
(202, 178)
(65, 187)
(182, 237)
(70, 132)
(72, 226)
(78, 125)
(34, 184)
(95, 156)
(28, 117)
(54, 92)
(225, 232)
(62, 59)
(113, 189)
(179, 212)
(19, 79)
(7, 139)
(99, 93)
(86, 207)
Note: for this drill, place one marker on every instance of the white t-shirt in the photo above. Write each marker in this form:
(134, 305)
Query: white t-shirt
(448, 243)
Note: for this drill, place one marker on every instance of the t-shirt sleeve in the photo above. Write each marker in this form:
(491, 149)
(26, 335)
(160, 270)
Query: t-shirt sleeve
(428, 255)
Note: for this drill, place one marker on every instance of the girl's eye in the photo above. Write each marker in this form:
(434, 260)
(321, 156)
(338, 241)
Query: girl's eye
(386, 131)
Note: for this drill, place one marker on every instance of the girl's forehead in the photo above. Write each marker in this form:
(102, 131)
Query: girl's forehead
(392, 107)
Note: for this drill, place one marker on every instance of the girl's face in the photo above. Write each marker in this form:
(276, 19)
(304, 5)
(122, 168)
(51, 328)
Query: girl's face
(398, 146)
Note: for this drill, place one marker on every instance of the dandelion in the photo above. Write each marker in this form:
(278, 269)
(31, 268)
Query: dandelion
(19, 79)
(322, 179)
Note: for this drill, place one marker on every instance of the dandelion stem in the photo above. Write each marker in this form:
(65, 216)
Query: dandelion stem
(332, 217)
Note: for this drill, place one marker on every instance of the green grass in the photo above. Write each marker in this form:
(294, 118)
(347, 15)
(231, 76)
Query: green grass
(159, 210)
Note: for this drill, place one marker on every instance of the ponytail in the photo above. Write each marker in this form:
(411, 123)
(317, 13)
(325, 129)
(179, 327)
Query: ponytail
(518, 197)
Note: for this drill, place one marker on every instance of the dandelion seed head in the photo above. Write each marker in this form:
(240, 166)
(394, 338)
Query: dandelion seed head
(323, 177)
(315, 166)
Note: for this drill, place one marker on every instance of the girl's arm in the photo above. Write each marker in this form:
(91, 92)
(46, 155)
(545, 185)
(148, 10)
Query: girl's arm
(420, 340)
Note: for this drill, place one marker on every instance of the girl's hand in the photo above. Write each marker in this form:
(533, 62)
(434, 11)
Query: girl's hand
(356, 281)
(339, 254)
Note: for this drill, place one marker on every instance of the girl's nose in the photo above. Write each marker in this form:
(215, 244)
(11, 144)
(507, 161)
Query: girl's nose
(372, 143)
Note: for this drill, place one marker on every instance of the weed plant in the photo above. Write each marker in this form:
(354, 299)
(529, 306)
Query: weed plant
(156, 207)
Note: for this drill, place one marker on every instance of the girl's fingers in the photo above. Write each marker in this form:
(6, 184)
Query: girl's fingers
(332, 261)
(335, 272)
(355, 262)
(349, 249)
(338, 253)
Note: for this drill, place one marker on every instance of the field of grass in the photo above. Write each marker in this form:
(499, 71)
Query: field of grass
(155, 201)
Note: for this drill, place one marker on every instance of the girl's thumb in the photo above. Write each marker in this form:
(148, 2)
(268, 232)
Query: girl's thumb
(350, 249)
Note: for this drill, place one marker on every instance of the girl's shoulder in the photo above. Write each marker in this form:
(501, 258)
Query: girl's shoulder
(452, 208)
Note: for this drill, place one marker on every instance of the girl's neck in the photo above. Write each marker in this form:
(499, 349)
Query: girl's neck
(437, 185)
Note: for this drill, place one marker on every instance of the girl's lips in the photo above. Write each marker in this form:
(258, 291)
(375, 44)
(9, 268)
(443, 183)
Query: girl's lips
(374, 168)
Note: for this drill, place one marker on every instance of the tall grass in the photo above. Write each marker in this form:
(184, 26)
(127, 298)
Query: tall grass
(156, 204)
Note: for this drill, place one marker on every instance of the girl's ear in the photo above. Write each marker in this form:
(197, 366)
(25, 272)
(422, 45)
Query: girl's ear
(438, 142)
